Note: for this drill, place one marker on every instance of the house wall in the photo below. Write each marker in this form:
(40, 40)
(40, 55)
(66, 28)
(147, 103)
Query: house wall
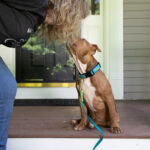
(137, 49)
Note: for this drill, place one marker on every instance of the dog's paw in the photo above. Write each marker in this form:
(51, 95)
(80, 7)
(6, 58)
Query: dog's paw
(91, 126)
(79, 127)
(75, 122)
(116, 130)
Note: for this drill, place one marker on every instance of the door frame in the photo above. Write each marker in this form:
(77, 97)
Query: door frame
(113, 45)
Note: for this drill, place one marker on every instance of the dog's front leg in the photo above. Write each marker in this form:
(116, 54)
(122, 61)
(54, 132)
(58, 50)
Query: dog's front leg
(114, 117)
(81, 124)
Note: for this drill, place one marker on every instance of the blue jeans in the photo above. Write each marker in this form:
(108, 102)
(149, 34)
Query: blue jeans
(8, 88)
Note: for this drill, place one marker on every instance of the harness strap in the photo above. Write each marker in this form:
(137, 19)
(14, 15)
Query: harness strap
(97, 127)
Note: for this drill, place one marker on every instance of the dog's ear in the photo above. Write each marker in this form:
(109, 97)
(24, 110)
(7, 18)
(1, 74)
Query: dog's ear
(96, 48)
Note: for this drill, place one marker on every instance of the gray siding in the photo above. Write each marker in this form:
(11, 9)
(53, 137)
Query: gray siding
(137, 49)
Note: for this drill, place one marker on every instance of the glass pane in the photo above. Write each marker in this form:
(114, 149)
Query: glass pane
(38, 61)
(95, 7)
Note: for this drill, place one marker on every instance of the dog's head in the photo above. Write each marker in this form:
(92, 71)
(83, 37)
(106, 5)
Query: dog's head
(83, 50)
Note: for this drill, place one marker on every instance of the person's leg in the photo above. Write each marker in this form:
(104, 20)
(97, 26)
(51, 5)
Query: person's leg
(8, 89)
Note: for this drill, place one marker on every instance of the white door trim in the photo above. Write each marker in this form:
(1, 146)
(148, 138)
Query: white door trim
(113, 44)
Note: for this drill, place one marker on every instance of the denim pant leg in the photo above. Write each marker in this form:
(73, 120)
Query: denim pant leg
(8, 89)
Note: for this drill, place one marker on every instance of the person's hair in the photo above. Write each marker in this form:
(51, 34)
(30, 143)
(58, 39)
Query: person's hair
(66, 16)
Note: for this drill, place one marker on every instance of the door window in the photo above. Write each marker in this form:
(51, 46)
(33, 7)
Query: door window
(38, 61)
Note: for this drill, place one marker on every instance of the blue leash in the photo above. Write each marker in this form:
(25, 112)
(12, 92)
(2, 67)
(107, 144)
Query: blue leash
(102, 134)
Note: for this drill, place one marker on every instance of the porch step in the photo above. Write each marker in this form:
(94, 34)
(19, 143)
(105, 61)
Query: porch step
(55, 122)
(76, 144)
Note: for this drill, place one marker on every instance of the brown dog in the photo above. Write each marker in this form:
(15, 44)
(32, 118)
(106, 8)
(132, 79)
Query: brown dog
(98, 97)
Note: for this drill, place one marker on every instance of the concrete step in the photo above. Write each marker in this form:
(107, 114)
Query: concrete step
(76, 144)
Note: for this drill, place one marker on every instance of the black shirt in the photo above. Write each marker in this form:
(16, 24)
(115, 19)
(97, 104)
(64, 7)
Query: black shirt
(35, 6)
(18, 16)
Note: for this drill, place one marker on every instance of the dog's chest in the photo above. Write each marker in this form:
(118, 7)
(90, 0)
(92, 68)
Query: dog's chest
(89, 92)
(85, 84)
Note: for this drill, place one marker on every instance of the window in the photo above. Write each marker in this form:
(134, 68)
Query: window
(38, 61)
(95, 7)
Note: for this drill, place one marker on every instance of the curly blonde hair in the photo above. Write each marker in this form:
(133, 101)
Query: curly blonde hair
(66, 16)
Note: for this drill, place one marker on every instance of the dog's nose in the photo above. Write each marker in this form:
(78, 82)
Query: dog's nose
(74, 45)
